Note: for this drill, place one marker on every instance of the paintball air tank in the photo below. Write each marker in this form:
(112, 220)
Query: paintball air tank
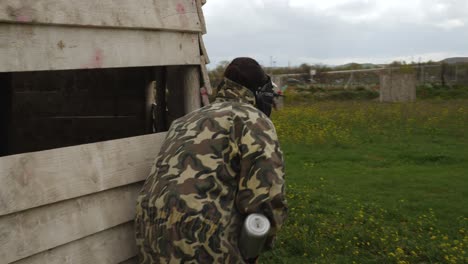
(253, 235)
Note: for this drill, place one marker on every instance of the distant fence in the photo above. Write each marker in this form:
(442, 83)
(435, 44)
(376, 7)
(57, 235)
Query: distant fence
(425, 74)
(453, 74)
(283, 79)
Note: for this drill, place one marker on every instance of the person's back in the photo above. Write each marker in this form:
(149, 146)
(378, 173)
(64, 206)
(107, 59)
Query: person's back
(217, 165)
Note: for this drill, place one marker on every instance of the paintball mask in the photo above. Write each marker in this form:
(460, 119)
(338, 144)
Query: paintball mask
(249, 73)
(264, 96)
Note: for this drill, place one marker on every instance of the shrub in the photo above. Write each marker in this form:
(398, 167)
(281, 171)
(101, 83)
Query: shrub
(433, 91)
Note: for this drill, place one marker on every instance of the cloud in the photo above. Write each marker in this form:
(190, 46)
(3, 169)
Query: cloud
(451, 24)
(335, 30)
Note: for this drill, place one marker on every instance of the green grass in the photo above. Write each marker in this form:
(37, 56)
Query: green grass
(434, 91)
(374, 183)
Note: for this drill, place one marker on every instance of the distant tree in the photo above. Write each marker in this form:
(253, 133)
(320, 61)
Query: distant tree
(305, 68)
(217, 74)
(321, 68)
(397, 63)
(402, 66)
(354, 66)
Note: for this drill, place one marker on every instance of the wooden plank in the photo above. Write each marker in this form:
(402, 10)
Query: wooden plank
(108, 247)
(205, 76)
(35, 179)
(37, 48)
(181, 15)
(33, 231)
(201, 16)
(161, 106)
(149, 103)
(203, 51)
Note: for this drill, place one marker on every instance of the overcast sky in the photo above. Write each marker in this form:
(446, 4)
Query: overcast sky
(336, 31)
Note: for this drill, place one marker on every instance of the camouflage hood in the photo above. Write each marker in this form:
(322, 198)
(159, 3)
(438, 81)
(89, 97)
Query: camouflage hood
(232, 91)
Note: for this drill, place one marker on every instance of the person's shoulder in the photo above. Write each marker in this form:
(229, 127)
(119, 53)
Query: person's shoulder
(249, 113)
(245, 109)
(214, 110)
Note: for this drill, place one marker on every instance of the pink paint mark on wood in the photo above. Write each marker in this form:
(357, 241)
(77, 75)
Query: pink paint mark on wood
(183, 15)
(23, 14)
(180, 8)
(23, 18)
(97, 60)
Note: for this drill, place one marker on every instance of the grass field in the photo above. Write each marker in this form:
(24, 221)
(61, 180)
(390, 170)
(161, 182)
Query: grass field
(374, 183)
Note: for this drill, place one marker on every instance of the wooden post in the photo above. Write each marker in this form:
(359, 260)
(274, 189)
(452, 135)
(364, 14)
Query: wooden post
(443, 71)
(191, 86)
(5, 111)
(350, 80)
(174, 93)
(149, 102)
(183, 87)
(150, 99)
(160, 113)
(201, 15)
(205, 76)
(423, 78)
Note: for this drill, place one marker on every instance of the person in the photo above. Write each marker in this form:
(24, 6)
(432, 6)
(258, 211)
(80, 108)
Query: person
(217, 165)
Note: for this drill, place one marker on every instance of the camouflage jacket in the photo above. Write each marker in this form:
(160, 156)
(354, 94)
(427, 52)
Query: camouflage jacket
(217, 165)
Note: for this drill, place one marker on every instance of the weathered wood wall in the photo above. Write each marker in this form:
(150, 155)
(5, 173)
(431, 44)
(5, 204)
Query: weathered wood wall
(57, 35)
(41, 48)
(167, 15)
(53, 106)
(73, 205)
(76, 204)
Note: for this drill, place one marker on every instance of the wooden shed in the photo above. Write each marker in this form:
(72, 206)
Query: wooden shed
(87, 89)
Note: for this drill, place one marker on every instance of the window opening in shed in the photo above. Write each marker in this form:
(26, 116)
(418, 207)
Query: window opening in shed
(54, 109)
(5, 111)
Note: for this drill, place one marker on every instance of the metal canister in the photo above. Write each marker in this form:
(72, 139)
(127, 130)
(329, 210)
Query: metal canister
(253, 236)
